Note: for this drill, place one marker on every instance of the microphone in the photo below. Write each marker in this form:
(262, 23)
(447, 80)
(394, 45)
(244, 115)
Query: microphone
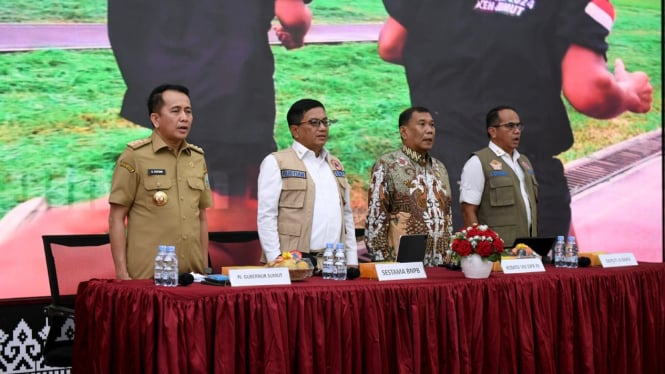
(583, 262)
(185, 279)
(352, 273)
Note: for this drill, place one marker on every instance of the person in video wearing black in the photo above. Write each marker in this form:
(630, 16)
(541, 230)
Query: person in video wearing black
(461, 58)
(220, 50)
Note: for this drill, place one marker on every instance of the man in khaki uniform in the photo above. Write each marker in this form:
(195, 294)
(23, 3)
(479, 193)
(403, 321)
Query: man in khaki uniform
(160, 186)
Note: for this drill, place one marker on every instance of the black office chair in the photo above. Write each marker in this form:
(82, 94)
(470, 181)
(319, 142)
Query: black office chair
(70, 259)
(228, 248)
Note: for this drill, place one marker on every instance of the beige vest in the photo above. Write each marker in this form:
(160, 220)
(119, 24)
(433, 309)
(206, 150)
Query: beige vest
(502, 207)
(296, 202)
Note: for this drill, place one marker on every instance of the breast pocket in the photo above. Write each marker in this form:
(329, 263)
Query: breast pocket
(502, 191)
(157, 183)
(196, 186)
(293, 193)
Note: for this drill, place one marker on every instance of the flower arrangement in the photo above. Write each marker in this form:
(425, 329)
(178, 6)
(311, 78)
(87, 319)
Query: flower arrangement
(478, 239)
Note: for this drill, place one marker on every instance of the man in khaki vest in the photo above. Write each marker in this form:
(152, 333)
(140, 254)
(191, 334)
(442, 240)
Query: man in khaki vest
(303, 195)
(499, 187)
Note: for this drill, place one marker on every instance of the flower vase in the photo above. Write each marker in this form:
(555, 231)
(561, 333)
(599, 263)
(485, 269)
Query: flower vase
(473, 266)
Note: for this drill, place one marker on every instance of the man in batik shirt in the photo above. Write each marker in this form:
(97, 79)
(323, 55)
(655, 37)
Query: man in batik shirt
(409, 193)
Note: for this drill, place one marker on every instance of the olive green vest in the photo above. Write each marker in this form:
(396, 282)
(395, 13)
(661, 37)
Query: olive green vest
(296, 202)
(502, 207)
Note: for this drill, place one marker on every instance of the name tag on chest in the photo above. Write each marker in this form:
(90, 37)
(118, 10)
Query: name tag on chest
(156, 171)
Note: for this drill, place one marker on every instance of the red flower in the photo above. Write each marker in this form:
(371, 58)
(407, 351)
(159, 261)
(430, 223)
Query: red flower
(484, 248)
(478, 239)
(462, 247)
(498, 244)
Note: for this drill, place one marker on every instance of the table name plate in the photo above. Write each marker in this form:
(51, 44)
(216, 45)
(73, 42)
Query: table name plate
(259, 277)
(614, 260)
(400, 271)
(522, 265)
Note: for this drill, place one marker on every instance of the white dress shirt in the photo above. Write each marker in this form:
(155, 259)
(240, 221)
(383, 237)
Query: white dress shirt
(473, 178)
(326, 219)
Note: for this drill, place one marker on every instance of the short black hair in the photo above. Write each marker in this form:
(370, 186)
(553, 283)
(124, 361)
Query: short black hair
(155, 100)
(299, 108)
(492, 116)
(405, 116)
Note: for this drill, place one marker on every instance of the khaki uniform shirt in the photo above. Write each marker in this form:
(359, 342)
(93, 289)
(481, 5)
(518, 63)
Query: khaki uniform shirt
(146, 170)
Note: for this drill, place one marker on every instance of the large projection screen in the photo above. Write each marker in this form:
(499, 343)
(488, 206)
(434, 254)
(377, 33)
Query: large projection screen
(62, 90)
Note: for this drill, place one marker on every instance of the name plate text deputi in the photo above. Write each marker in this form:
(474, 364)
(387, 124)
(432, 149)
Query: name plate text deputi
(613, 260)
(259, 277)
(522, 265)
(399, 271)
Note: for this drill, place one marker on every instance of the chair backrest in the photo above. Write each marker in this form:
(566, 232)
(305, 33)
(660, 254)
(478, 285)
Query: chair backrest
(229, 248)
(71, 259)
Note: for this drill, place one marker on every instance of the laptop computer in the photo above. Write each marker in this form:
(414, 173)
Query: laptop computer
(540, 245)
(412, 248)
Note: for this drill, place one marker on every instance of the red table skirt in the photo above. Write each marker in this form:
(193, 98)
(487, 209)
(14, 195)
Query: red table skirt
(589, 320)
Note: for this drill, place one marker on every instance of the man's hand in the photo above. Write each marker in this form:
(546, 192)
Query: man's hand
(122, 275)
(289, 40)
(638, 92)
(276, 261)
(294, 21)
(592, 89)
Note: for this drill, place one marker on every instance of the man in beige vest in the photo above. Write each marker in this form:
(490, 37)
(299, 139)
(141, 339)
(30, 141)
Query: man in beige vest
(499, 187)
(303, 195)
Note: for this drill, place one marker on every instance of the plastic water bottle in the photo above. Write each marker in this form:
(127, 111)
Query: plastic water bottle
(328, 262)
(174, 273)
(176, 269)
(340, 262)
(159, 265)
(571, 253)
(559, 252)
(170, 268)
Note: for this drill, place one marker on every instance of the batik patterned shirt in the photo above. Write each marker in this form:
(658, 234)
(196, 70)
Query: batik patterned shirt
(409, 193)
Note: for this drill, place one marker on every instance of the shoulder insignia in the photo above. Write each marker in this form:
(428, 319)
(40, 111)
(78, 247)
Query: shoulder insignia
(136, 144)
(127, 166)
(196, 148)
(336, 164)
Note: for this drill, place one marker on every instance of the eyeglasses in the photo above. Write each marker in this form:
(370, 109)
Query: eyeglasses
(511, 126)
(315, 122)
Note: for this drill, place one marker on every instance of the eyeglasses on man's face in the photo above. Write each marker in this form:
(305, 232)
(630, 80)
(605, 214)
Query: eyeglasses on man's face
(511, 126)
(315, 122)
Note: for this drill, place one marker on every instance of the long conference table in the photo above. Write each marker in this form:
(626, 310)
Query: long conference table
(587, 320)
